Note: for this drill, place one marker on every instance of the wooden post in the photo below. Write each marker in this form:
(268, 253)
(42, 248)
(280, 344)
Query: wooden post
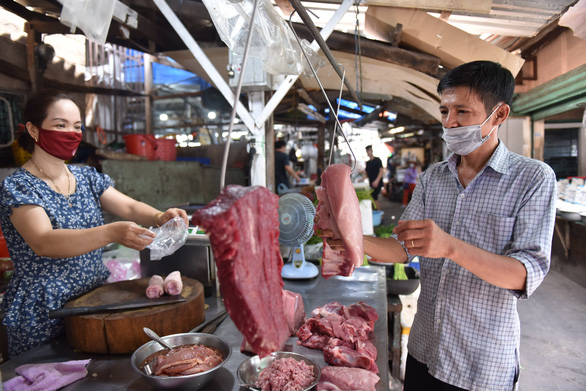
(31, 40)
(148, 88)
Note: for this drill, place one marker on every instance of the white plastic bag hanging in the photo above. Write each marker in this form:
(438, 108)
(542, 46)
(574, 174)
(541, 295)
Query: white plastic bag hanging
(93, 17)
(170, 237)
(272, 39)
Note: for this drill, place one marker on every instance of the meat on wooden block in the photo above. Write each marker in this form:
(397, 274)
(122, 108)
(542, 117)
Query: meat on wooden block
(338, 210)
(243, 227)
(155, 288)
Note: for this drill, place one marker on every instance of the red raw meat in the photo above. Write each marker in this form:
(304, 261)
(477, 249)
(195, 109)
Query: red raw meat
(186, 360)
(343, 356)
(294, 310)
(347, 379)
(342, 334)
(243, 227)
(338, 210)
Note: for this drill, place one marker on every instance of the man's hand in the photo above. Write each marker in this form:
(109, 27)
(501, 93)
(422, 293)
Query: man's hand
(425, 238)
(328, 234)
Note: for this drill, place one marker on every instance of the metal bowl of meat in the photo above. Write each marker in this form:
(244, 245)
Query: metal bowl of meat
(303, 371)
(206, 353)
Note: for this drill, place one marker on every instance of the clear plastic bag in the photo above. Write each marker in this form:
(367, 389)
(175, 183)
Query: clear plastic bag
(123, 264)
(93, 17)
(272, 40)
(170, 237)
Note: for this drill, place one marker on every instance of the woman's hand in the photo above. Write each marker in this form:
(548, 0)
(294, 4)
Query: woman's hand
(162, 217)
(131, 235)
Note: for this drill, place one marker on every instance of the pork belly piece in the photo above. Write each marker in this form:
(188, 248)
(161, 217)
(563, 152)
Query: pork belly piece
(347, 379)
(338, 210)
(173, 284)
(243, 227)
(155, 288)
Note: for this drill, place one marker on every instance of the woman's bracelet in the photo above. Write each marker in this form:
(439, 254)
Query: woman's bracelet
(156, 218)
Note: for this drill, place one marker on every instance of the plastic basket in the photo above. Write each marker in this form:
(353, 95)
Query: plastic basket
(165, 149)
(140, 144)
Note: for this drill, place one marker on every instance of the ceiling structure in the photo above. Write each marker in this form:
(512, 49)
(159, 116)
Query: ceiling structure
(405, 45)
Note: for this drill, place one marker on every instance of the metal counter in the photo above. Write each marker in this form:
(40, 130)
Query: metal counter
(114, 372)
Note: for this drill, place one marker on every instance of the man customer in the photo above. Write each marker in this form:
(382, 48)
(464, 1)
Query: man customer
(282, 168)
(481, 223)
(374, 171)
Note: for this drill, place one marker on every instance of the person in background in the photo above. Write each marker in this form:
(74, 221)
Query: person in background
(374, 172)
(409, 181)
(391, 173)
(481, 223)
(51, 217)
(282, 167)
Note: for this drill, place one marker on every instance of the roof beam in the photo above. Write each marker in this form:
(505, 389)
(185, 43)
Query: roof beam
(480, 6)
(436, 37)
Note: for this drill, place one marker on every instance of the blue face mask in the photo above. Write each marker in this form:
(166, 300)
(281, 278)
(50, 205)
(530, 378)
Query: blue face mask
(466, 139)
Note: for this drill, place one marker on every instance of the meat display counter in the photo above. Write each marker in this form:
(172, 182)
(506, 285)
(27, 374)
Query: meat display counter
(114, 372)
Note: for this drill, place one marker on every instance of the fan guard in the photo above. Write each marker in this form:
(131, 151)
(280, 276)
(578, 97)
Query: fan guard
(296, 214)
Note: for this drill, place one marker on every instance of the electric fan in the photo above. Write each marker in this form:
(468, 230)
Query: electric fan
(296, 213)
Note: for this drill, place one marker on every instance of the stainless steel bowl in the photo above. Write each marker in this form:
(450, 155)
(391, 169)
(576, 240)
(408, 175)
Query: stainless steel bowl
(191, 382)
(249, 369)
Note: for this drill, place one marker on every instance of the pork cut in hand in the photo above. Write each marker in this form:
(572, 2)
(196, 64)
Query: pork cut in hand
(243, 227)
(338, 210)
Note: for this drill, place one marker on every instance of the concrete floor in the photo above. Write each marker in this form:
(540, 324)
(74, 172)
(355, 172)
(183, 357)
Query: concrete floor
(553, 330)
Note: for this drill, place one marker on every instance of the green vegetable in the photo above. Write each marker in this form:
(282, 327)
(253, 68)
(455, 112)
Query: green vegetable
(314, 240)
(400, 272)
(384, 231)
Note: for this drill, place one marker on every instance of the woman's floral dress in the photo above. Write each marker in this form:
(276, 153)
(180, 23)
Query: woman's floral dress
(40, 284)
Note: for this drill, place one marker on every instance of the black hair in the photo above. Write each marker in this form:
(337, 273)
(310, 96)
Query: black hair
(368, 147)
(36, 110)
(279, 144)
(492, 82)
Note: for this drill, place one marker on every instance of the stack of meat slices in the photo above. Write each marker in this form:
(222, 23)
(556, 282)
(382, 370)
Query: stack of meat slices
(342, 333)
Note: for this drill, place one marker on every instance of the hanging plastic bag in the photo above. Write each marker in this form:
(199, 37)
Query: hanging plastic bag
(170, 237)
(93, 17)
(272, 40)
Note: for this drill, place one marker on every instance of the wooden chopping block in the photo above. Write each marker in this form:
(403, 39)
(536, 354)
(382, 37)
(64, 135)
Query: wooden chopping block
(120, 332)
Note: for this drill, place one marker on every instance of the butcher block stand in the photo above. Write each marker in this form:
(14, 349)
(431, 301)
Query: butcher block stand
(119, 332)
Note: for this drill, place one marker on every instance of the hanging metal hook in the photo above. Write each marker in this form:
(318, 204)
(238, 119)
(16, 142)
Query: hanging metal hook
(334, 112)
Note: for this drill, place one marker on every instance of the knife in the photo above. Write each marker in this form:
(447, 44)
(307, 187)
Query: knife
(140, 303)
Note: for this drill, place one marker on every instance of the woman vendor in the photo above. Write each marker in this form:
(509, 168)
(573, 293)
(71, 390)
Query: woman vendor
(51, 217)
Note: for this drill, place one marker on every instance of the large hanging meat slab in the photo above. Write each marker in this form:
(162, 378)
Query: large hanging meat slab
(243, 227)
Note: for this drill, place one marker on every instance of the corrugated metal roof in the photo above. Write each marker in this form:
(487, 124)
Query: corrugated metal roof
(507, 18)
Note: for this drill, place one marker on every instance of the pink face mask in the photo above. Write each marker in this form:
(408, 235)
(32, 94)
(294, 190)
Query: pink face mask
(60, 144)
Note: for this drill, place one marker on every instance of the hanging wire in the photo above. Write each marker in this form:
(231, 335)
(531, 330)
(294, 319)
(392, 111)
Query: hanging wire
(236, 97)
(337, 113)
(358, 53)
(338, 125)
